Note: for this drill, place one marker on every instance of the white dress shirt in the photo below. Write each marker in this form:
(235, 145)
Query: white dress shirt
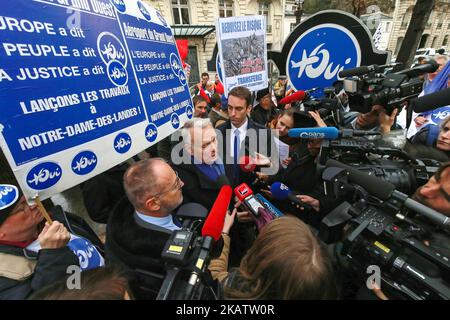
(163, 222)
(242, 134)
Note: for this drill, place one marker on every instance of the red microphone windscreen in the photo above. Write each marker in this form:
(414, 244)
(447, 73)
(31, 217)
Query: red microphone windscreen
(296, 96)
(214, 222)
(246, 164)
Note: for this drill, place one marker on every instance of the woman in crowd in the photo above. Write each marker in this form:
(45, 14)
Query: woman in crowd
(286, 261)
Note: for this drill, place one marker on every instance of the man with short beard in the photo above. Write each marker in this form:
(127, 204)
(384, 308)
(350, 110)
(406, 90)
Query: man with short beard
(142, 222)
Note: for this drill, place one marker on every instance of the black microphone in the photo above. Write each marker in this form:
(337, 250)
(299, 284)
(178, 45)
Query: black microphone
(386, 190)
(360, 71)
(429, 67)
(431, 101)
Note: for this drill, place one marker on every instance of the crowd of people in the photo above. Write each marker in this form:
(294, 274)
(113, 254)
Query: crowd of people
(138, 202)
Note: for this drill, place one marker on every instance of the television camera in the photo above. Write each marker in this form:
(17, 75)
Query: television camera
(379, 226)
(367, 86)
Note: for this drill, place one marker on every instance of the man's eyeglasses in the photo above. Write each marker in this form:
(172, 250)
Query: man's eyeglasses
(175, 186)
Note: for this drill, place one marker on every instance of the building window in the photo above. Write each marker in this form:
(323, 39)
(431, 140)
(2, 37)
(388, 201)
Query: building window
(180, 11)
(406, 18)
(226, 8)
(388, 25)
(433, 44)
(293, 25)
(399, 44)
(440, 21)
(445, 42)
(264, 11)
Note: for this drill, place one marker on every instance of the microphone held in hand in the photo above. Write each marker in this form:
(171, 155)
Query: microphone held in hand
(280, 191)
(328, 133)
(296, 96)
(214, 223)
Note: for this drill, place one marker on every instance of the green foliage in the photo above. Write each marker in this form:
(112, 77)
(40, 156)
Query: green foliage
(313, 6)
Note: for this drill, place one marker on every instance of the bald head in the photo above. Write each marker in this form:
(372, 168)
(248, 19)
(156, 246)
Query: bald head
(143, 179)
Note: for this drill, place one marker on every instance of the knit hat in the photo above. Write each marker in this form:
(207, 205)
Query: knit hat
(261, 93)
(9, 196)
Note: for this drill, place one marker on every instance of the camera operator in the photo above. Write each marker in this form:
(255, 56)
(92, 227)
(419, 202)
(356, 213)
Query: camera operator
(371, 120)
(432, 142)
(435, 194)
(286, 261)
(142, 222)
(300, 172)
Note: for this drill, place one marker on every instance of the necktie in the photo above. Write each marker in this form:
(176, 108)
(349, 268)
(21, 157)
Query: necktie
(236, 146)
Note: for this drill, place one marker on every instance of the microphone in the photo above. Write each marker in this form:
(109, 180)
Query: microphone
(246, 164)
(386, 190)
(261, 212)
(431, 101)
(211, 231)
(246, 196)
(296, 96)
(329, 133)
(360, 71)
(269, 206)
(214, 222)
(429, 67)
(282, 192)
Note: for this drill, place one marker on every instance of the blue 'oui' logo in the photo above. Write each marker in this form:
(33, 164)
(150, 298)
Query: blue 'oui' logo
(119, 4)
(117, 73)
(189, 112)
(111, 48)
(318, 56)
(122, 142)
(44, 175)
(440, 114)
(182, 77)
(151, 132)
(8, 195)
(84, 162)
(175, 63)
(87, 253)
(175, 120)
(161, 18)
(144, 11)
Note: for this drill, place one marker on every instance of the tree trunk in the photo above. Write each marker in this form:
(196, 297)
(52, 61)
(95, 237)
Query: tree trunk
(420, 15)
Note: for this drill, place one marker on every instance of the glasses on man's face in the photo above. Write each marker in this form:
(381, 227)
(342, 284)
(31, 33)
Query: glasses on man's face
(175, 186)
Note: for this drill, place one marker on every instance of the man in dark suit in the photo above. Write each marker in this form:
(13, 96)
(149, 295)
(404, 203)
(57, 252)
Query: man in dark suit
(201, 170)
(244, 137)
(142, 222)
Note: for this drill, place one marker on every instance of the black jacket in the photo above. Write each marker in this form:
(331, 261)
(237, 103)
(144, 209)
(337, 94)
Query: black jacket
(197, 187)
(101, 193)
(261, 116)
(134, 245)
(51, 264)
(266, 140)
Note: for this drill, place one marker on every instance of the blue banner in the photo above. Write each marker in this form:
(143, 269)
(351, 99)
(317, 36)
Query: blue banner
(84, 85)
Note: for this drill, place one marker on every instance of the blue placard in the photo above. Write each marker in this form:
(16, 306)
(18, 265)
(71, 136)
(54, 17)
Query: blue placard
(80, 81)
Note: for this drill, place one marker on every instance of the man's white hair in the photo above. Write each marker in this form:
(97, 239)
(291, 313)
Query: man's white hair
(194, 123)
